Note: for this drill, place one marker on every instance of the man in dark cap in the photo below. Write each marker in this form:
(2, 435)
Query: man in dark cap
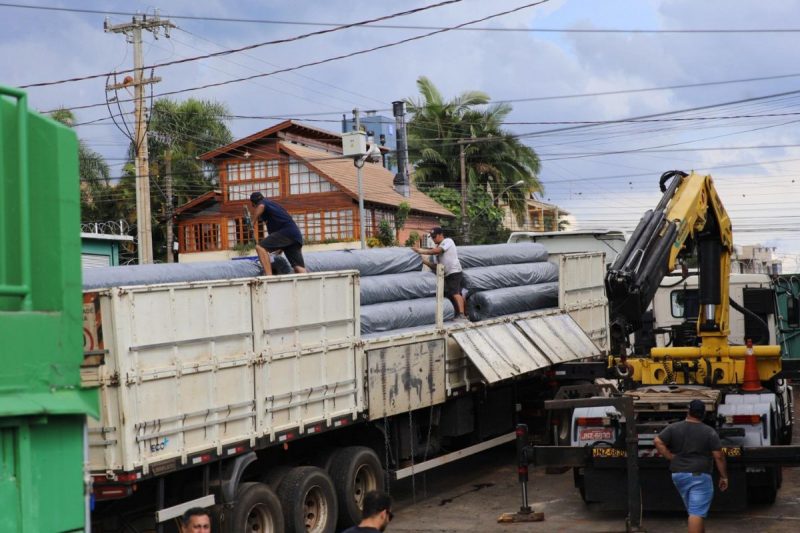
(284, 235)
(689, 446)
(445, 253)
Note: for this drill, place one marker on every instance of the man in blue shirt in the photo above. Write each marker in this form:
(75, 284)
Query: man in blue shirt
(284, 235)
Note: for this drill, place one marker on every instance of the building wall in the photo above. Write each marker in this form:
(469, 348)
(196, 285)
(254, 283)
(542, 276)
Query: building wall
(225, 255)
(324, 213)
(100, 248)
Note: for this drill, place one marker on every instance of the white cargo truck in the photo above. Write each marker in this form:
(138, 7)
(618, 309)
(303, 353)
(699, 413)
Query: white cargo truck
(260, 399)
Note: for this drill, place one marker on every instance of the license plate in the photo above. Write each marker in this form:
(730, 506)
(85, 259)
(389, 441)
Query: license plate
(608, 453)
(596, 434)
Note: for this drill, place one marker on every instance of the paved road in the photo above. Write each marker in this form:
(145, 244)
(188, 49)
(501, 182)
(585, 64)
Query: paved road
(469, 496)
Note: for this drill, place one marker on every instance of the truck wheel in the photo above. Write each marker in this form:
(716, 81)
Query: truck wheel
(257, 509)
(765, 494)
(275, 475)
(308, 500)
(355, 470)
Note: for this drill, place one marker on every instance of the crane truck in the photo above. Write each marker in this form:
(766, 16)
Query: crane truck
(747, 399)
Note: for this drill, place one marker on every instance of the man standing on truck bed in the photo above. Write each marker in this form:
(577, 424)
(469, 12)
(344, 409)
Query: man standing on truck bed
(446, 254)
(689, 446)
(284, 235)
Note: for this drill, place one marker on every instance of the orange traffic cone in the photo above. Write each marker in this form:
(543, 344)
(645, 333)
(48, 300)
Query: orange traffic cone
(751, 382)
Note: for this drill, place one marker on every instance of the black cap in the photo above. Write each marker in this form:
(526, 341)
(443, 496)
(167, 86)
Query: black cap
(436, 231)
(256, 197)
(697, 408)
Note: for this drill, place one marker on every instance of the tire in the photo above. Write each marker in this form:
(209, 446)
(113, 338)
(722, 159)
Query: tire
(323, 458)
(308, 499)
(765, 494)
(355, 470)
(275, 475)
(257, 509)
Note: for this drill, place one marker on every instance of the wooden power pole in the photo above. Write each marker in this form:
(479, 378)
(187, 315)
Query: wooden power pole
(464, 215)
(133, 32)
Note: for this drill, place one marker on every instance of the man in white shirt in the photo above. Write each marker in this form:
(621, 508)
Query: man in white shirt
(446, 254)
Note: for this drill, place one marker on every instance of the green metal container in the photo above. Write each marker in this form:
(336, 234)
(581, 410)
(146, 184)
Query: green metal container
(42, 406)
(787, 306)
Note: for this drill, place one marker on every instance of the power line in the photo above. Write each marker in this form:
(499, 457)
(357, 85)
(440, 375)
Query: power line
(248, 47)
(329, 59)
(419, 27)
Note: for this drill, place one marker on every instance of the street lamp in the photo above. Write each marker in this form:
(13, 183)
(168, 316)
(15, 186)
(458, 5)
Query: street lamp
(515, 184)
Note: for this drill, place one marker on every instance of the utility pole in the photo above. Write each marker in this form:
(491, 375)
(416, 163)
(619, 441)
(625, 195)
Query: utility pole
(133, 33)
(464, 216)
(168, 180)
(361, 217)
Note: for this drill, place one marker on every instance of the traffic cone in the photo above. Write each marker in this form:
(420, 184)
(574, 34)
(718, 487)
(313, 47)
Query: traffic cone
(751, 382)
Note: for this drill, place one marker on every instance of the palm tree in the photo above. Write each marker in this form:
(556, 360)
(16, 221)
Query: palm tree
(185, 130)
(495, 161)
(95, 185)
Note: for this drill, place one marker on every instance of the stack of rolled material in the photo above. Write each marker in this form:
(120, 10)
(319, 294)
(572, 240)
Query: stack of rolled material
(504, 279)
(395, 292)
(499, 279)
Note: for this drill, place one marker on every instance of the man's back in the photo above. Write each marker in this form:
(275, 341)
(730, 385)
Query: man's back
(692, 444)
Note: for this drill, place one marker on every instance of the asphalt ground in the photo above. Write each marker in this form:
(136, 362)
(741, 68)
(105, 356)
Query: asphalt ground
(469, 495)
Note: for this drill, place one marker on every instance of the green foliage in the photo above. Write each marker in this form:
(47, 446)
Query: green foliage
(413, 239)
(386, 233)
(495, 161)
(244, 248)
(374, 242)
(485, 219)
(97, 193)
(401, 216)
(185, 129)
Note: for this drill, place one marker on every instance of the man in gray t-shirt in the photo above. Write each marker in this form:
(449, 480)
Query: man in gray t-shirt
(689, 446)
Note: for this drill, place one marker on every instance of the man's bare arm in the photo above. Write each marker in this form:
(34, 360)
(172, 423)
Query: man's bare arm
(722, 466)
(662, 449)
(428, 251)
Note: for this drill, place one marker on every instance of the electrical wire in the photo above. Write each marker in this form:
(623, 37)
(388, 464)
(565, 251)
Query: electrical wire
(419, 27)
(251, 46)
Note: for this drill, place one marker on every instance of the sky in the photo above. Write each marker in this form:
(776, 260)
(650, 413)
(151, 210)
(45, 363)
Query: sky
(574, 89)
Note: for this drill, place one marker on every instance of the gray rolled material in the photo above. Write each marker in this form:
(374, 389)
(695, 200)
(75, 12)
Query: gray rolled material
(498, 302)
(394, 287)
(406, 314)
(501, 254)
(371, 262)
(501, 276)
(120, 276)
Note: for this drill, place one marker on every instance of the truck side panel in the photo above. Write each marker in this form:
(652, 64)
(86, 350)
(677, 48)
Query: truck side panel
(306, 330)
(582, 294)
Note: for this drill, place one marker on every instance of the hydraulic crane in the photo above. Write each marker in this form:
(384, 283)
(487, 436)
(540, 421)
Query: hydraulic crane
(689, 216)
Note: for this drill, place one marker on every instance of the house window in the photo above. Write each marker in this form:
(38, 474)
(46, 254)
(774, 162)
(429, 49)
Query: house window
(245, 178)
(339, 224)
(202, 237)
(265, 169)
(239, 171)
(242, 191)
(304, 181)
(310, 225)
(239, 232)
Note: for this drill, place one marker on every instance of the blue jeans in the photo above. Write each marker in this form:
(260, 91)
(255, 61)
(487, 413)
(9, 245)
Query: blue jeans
(697, 491)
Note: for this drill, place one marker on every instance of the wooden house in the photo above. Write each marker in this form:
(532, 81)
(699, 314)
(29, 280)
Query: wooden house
(302, 168)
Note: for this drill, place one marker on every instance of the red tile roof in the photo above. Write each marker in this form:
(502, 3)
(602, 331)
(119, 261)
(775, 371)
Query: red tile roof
(302, 130)
(377, 181)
